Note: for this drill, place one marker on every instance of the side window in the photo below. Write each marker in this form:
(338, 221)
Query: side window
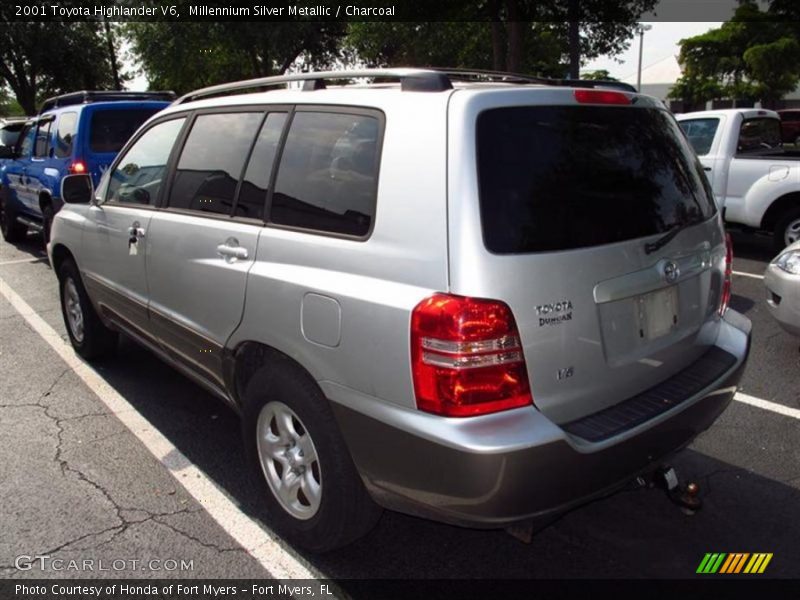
(253, 192)
(138, 175)
(701, 134)
(42, 140)
(67, 125)
(212, 161)
(26, 141)
(327, 179)
(759, 134)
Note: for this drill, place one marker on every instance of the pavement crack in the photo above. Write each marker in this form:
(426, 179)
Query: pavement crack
(195, 539)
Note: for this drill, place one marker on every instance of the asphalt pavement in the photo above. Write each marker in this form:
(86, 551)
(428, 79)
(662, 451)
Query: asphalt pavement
(78, 484)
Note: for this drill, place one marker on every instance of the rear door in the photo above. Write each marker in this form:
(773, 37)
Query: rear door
(203, 243)
(572, 199)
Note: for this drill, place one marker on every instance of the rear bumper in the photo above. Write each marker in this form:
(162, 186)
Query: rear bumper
(517, 465)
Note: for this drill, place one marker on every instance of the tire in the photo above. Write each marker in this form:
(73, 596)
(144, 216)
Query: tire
(47, 222)
(787, 229)
(89, 337)
(12, 230)
(287, 422)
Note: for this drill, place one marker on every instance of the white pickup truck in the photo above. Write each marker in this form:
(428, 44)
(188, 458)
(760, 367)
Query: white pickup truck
(755, 179)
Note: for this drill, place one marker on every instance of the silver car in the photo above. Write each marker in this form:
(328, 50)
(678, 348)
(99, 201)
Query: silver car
(476, 298)
(782, 280)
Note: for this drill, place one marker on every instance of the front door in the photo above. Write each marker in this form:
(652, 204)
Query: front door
(115, 239)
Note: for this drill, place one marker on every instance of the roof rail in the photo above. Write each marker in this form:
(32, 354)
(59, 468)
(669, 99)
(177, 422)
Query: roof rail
(86, 96)
(427, 80)
(411, 80)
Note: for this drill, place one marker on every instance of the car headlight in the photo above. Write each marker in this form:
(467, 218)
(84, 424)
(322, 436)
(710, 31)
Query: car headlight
(789, 262)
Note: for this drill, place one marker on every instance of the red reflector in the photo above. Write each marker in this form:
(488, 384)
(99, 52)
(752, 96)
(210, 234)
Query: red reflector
(601, 97)
(467, 357)
(725, 297)
(77, 167)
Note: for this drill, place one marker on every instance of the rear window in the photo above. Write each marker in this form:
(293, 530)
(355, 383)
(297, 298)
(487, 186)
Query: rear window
(562, 177)
(110, 129)
(757, 135)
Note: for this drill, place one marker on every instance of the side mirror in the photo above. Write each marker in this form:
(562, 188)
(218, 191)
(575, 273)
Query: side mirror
(77, 189)
(6, 152)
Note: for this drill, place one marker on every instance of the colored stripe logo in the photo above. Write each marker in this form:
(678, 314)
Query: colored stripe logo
(734, 563)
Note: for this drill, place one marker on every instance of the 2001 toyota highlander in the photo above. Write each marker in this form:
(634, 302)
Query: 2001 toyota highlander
(479, 298)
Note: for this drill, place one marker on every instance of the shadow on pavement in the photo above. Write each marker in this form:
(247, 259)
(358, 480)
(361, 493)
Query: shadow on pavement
(629, 535)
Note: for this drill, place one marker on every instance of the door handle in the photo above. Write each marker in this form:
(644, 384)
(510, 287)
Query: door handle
(231, 250)
(706, 168)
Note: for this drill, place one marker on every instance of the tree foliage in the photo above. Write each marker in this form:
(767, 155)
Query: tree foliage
(39, 59)
(505, 35)
(189, 55)
(755, 56)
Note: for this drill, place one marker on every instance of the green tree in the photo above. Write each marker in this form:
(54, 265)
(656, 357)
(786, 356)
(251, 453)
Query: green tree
(39, 59)
(598, 75)
(506, 35)
(186, 56)
(755, 56)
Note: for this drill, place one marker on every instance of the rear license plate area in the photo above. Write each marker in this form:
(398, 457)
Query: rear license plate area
(657, 313)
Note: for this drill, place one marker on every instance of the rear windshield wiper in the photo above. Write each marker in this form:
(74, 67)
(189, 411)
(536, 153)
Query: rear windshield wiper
(651, 247)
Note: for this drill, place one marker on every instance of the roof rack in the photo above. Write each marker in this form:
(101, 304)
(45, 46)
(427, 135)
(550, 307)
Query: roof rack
(411, 80)
(85, 96)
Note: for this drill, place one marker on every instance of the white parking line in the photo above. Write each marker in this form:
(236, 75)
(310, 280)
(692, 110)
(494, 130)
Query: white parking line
(786, 411)
(259, 542)
(22, 260)
(743, 274)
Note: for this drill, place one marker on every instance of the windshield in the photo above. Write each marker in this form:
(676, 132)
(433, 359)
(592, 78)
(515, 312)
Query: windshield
(562, 177)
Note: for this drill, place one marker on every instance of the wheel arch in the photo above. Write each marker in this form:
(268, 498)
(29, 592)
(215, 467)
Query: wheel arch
(779, 206)
(59, 254)
(241, 363)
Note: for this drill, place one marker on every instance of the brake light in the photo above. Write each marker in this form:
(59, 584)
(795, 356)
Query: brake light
(78, 167)
(725, 297)
(467, 357)
(601, 97)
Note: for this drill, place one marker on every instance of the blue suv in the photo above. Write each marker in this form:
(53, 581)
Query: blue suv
(79, 132)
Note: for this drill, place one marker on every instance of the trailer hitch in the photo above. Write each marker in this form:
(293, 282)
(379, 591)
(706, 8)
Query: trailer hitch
(686, 497)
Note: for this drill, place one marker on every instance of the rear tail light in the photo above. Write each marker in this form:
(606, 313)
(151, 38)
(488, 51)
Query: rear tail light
(78, 166)
(725, 297)
(467, 357)
(601, 97)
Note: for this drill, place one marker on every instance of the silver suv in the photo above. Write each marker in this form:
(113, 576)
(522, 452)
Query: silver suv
(474, 297)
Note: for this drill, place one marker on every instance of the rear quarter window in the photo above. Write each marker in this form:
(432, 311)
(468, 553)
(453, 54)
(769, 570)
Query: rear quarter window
(109, 129)
(328, 174)
(562, 177)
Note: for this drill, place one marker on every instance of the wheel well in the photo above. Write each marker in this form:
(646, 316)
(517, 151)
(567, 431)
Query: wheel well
(777, 208)
(246, 360)
(60, 254)
(44, 200)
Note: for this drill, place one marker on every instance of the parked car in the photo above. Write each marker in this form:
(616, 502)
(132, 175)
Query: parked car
(483, 302)
(790, 126)
(754, 179)
(782, 280)
(10, 128)
(74, 133)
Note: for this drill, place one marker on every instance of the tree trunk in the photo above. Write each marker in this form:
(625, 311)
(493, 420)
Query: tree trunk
(514, 59)
(574, 40)
(498, 45)
(112, 56)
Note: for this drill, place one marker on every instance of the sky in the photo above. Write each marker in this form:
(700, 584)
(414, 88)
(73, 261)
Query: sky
(659, 43)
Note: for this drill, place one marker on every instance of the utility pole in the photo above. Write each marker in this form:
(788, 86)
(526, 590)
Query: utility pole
(640, 29)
